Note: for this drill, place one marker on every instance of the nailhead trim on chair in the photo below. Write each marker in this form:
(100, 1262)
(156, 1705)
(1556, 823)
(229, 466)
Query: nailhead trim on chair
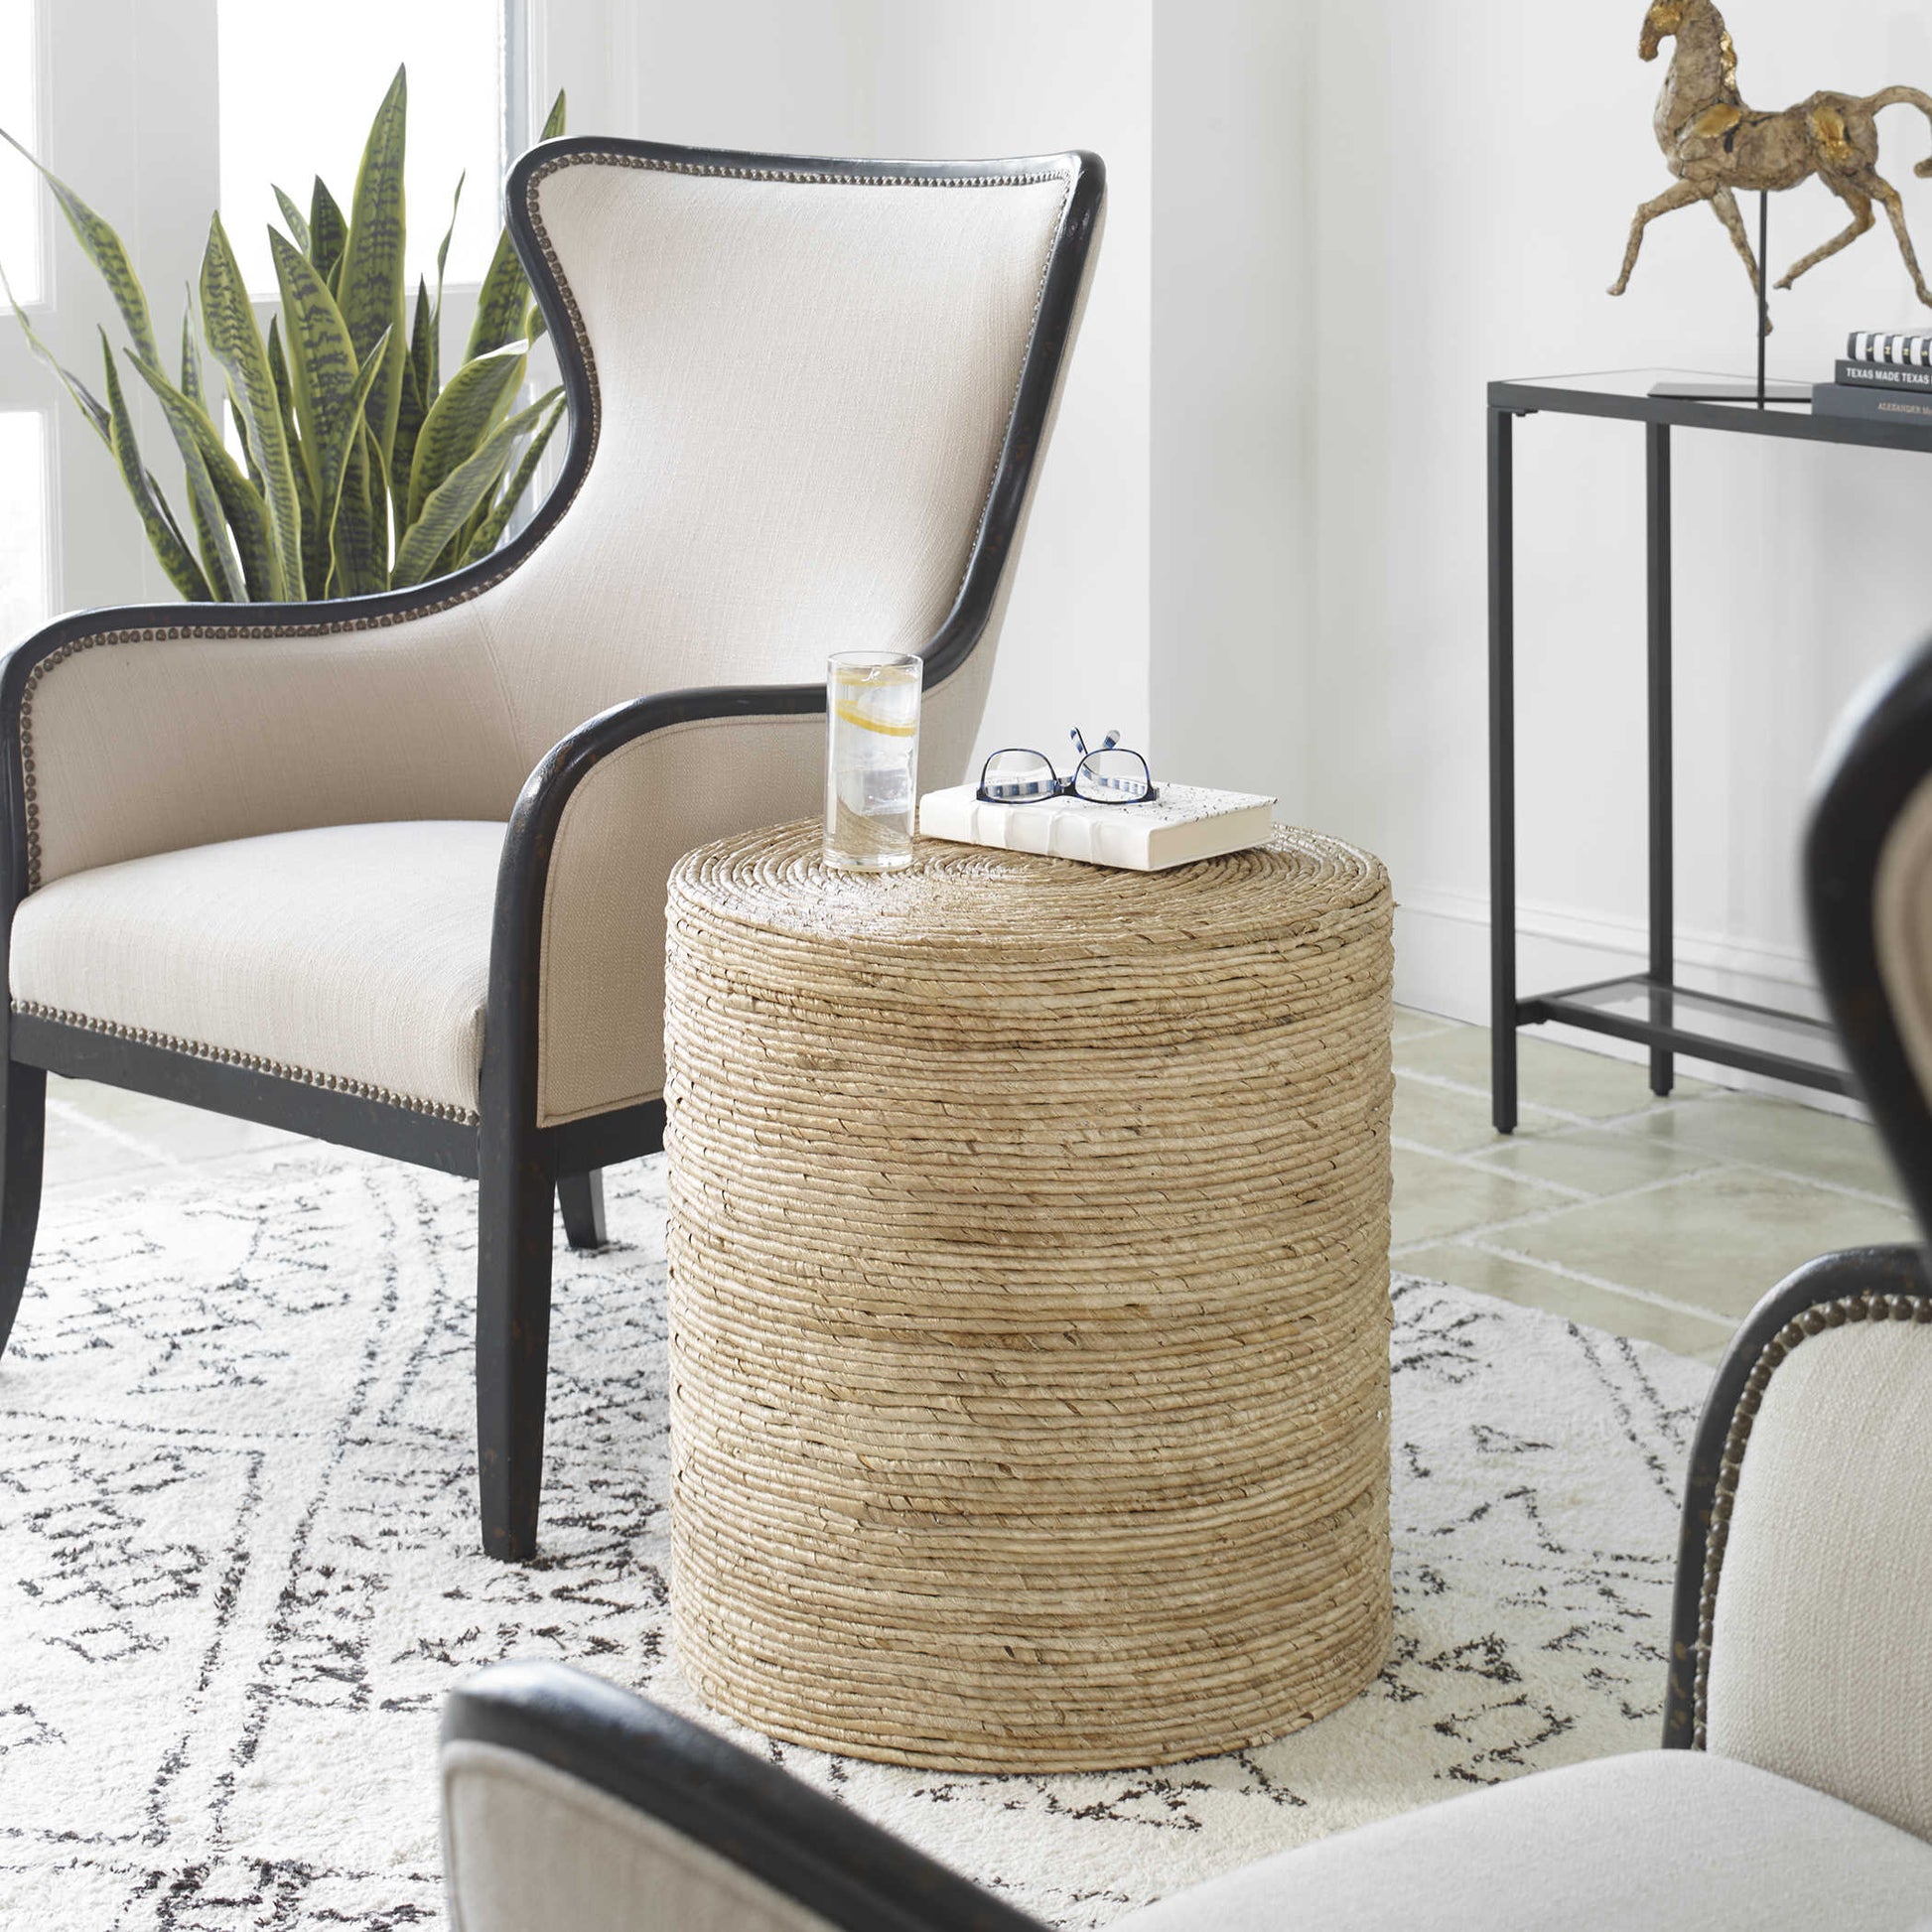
(600, 157)
(1873, 1305)
(201, 1051)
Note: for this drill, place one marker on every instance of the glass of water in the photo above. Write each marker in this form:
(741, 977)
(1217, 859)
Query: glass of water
(872, 758)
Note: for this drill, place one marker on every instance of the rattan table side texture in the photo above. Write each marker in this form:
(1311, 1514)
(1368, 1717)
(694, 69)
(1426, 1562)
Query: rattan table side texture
(1029, 1284)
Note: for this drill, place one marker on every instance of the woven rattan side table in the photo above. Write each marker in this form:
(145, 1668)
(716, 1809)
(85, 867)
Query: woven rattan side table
(1029, 1261)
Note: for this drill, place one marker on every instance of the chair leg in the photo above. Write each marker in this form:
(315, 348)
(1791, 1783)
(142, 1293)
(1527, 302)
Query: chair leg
(581, 1196)
(23, 1141)
(515, 1218)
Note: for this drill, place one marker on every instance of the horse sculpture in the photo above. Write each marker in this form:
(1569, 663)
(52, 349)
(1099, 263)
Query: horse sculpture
(1714, 144)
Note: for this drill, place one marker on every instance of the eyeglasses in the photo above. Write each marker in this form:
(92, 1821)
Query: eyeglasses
(1108, 777)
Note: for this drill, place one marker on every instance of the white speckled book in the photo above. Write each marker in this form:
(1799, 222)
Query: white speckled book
(1179, 825)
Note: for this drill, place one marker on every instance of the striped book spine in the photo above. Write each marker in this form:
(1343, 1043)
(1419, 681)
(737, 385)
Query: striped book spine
(1909, 349)
(1884, 375)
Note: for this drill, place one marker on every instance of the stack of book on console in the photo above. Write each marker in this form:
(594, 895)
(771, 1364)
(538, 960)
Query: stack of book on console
(1176, 826)
(1881, 378)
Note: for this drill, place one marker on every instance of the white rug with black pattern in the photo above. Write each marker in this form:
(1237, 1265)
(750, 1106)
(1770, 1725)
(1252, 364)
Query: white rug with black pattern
(238, 1568)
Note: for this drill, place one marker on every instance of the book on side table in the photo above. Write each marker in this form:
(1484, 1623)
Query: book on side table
(1884, 376)
(1175, 827)
(1873, 405)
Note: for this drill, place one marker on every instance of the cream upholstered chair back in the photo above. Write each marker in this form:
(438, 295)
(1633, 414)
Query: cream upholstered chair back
(808, 405)
(802, 385)
(1805, 1606)
(1818, 1583)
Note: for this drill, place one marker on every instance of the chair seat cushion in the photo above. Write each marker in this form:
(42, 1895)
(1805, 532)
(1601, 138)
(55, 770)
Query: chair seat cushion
(1655, 1839)
(349, 956)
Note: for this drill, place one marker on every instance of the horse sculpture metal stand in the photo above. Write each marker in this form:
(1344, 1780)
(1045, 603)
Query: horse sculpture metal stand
(1760, 393)
(1715, 144)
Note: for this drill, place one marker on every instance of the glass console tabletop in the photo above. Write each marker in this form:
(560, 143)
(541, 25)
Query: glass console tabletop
(1625, 395)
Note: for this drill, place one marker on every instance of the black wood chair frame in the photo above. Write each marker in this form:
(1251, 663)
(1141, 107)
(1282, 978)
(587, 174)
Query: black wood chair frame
(808, 1848)
(522, 1169)
(1880, 756)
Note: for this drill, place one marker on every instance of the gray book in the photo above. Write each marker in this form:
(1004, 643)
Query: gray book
(1873, 405)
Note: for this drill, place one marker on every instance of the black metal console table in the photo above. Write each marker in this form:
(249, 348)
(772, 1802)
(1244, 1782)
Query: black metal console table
(1649, 1007)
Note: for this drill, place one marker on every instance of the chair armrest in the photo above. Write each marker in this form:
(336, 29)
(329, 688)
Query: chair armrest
(576, 962)
(1799, 1640)
(577, 959)
(571, 1806)
(131, 732)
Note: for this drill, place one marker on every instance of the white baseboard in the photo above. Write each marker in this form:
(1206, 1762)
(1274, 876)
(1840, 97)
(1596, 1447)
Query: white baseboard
(1441, 965)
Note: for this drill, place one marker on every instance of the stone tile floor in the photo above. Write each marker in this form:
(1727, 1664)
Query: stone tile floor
(1661, 1219)
(1664, 1219)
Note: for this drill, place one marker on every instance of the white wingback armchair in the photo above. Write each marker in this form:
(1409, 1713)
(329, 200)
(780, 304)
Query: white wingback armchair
(391, 870)
(1794, 1789)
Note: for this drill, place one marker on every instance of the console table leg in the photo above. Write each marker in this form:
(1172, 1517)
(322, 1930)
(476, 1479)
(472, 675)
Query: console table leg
(1663, 949)
(1502, 775)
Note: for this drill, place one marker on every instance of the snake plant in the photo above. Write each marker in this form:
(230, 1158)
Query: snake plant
(355, 467)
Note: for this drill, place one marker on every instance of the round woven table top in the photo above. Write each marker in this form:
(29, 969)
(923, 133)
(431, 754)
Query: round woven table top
(1018, 907)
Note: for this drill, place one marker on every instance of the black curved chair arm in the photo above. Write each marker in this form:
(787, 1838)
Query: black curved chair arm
(1850, 1275)
(763, 1819)
(522, 880)
(1878, 758)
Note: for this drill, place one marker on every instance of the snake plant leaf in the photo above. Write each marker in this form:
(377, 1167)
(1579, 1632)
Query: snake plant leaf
(315, 539)
(489, 532)
(164, 534)
(459, 546)
(192, 384)
(243, 497)
(422, 346)
(84, 399)
(328, 230)
(359, 536)
(240, 423)
(380, 500)
(501, 303)
(452, 500)
(420, 382)
(409, 425)
(345, 425)
(236, 343)
(297, 220)
(462, 418)
(102, 246)
(505, 299)
(371, 292)
(321, 362)
(241, 502)
(436, 313)
(218, 563)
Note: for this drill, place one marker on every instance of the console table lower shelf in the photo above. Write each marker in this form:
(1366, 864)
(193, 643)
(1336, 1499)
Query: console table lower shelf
(1707, 1025)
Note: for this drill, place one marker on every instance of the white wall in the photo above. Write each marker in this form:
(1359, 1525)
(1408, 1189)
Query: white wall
(1475, 171)
(1233, 526)
(929, 77)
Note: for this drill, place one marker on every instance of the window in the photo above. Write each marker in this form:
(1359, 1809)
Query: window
(23, 523)
(297, 100)
(20, 199)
